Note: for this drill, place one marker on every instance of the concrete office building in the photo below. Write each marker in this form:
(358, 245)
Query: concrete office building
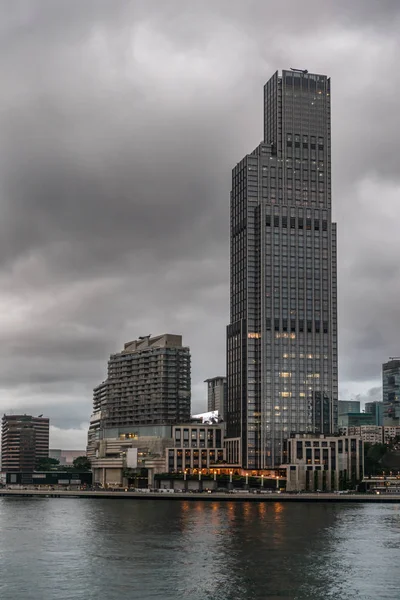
(216, 395)
(391, 392)
(324, 463)
(116, 460)
(146, 392)
(376, 409)
(148, 384)
(24, 441)
(348, 406)
(282, 336)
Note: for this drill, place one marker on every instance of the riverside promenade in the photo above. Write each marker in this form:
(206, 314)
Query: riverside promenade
(213, 497)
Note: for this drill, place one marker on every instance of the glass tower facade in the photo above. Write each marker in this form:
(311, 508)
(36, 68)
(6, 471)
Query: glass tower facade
(282, 337)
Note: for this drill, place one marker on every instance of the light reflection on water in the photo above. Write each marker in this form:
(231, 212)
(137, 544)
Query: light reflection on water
(113, 549)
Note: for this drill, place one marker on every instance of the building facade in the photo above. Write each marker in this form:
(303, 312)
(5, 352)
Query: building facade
(324, 463)
(196, 447)
(391, 392)
(282, 336)
(372, 434)
(355, 420)
(216, 395)
(348, 406)
(376, 409)
(131, 456)
(24, 441)
(148, 384)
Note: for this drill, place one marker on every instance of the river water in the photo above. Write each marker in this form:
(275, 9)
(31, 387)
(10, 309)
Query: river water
(64, 549)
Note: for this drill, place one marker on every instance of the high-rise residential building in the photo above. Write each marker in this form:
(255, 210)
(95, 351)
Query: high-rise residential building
(282, 336)
(24, 441)
(376, 409)
(391, 391)
(348, 406)
(216, 394)
(148, 386)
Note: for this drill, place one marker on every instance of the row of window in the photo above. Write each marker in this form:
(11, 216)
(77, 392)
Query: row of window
(296, 223)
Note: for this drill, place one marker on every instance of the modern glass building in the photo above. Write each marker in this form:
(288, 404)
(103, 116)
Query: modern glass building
(282, 336)
(391, 391)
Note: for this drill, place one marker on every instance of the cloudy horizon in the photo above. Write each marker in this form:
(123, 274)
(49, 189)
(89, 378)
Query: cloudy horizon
(121, 122)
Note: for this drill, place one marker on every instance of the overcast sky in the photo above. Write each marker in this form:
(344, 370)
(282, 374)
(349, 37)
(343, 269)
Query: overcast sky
(120, 123)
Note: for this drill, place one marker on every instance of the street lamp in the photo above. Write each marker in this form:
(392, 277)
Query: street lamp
(247, 479)
(215, 475)
(230, 476)
(262, 481)
(184, 475)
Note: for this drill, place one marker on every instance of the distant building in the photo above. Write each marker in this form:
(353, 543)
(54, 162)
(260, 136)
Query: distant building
(355, 420)
(376, 409)
(24, 441)
(349, 406)
(216, 395)
(372, 434)
(391, 392)
(324, 463)
(66, 457)
(390, 432)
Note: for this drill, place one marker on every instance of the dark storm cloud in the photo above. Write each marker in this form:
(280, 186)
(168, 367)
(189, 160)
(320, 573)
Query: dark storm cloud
(120, 122)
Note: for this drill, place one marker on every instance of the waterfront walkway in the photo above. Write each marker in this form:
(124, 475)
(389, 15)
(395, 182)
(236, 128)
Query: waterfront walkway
(220, 497)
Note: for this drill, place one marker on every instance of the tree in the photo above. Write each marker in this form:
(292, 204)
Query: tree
(47, 464)
(82, 463)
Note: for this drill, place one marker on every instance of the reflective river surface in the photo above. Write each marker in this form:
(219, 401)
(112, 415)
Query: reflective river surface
(64, 549)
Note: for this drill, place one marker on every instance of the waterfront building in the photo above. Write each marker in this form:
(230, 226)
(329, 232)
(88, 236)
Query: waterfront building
(147, 391)
(348, 406)
(195, 446)
(148, 385)
(375, 408)
(137, 456)
(282, 336)
(325, 463)
(216, 395)
(24, 441)
(391, 392)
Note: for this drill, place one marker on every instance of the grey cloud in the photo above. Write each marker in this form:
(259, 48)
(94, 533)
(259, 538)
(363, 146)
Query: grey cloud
(120, 124)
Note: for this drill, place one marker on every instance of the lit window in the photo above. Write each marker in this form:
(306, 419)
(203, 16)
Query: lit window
(285, 374)
(254, 336)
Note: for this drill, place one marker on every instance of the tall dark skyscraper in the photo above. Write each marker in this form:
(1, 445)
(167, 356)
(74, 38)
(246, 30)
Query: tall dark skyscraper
(282, 338)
